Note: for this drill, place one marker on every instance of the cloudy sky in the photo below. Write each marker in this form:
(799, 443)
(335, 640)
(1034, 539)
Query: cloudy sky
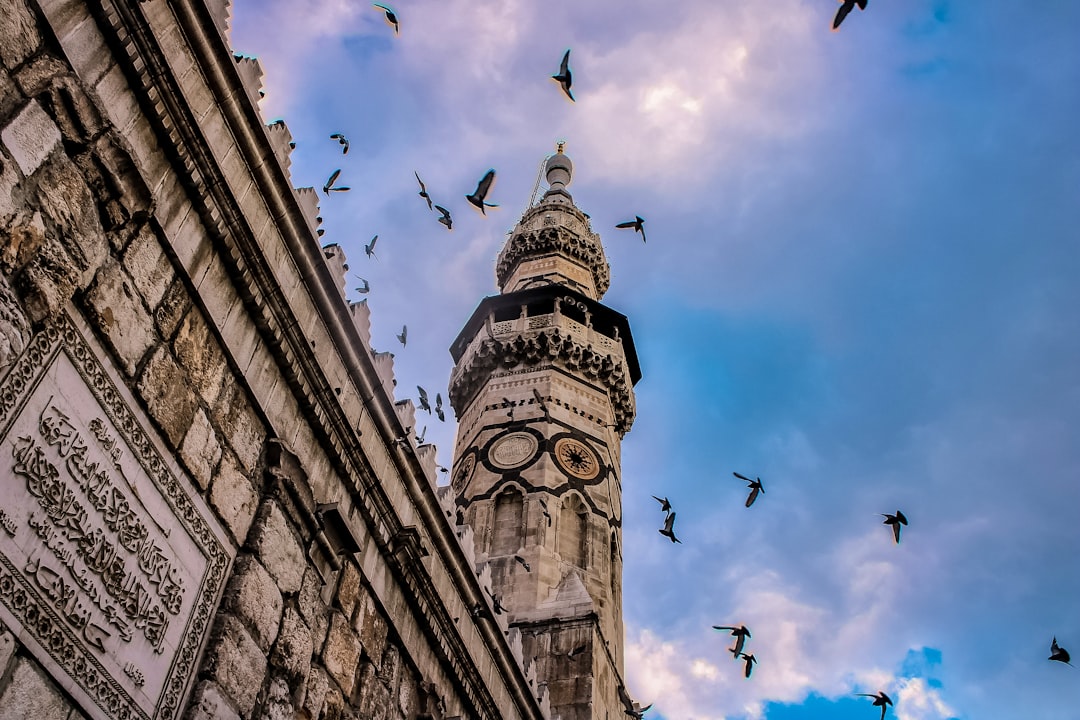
(860, 284)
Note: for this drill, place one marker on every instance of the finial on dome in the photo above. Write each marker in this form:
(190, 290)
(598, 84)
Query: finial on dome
(559, 169)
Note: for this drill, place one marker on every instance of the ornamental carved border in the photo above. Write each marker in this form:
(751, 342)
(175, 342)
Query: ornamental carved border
(551, 346)
(61, 336)
(550, 240)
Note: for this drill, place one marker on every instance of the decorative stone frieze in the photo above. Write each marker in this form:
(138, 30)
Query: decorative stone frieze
(527, 244)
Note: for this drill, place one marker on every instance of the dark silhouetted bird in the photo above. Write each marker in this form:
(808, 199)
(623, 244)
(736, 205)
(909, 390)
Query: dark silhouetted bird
(439, 408)
(329, 186)
(510, 404)
(369, 249)
(445, 218)
(565, 78)
(755, 488)
(896, 521)
(424, 405)
(639, 712)
(664, 504)
(540, 401)
(403, 336)
(1059, 653)
(365, 288)
(420, 437)
(739, 633)
(880, 700)
(544, 510)
(495, 604)
(342, 141)
(391, 16)
(667, 531)
(479, 197)
(521, 561)
(750, 660)
(423, 190)
(574, 652)
(638, 223)
(845, 8)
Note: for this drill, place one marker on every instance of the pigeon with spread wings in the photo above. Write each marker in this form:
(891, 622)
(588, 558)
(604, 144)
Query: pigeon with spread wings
(391, 16)
(845, 8)
(479, 196)
(880, 700)
(755, 488)
(638, 224)
(565, 77)
(668, 530)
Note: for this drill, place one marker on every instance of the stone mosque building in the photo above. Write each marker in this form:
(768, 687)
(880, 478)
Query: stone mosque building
(212, 505)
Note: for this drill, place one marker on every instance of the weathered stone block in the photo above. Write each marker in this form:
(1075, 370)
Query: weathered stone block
(293, 649)
(78, 118)
(201, 450)
(173, 306)
(235, 662)
(277, 547)
(168, 398)
(373, 628)
(207, 703)
(36, 76)
(31, 695)
(14, 330)
(253, 597)
(30, 137)
(19, 36)
(70, 211)
(7, 649)
(149, 267)
(198, 352)
(318, 685)
(312, 607)
(348, 588)
(47, 281)
(373, 697)
(279, 703)
(240, 425)
(341, 653)
(120, 315)
(233, 497)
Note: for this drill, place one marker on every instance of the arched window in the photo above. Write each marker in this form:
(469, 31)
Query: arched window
(506, 530)
(573, 531)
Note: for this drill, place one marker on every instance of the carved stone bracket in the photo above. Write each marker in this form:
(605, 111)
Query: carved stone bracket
(527, 244)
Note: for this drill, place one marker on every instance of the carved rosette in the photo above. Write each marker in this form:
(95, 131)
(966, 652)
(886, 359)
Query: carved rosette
(529, 243)
(553, 347)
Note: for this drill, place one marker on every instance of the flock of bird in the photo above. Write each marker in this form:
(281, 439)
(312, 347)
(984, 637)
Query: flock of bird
(478, 199)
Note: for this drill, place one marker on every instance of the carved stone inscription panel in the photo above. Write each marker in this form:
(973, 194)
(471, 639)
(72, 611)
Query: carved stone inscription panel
(109, 568)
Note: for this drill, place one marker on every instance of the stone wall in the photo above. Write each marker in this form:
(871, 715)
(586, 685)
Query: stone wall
(164, 302)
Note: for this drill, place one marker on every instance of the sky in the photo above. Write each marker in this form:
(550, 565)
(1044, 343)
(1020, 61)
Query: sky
(860, 285)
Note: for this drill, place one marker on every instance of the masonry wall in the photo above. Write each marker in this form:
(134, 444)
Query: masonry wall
(151, 239)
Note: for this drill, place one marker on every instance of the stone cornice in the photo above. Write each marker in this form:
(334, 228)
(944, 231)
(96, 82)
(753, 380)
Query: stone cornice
(126, 29)
(551, 346)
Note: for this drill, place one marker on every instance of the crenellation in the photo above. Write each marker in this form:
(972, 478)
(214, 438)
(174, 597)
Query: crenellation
(281, 140)
(251, 73)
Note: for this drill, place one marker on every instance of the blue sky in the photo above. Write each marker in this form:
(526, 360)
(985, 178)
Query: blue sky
(860, 285)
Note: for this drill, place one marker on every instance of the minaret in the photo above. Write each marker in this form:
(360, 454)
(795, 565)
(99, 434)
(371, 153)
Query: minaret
(543, 391)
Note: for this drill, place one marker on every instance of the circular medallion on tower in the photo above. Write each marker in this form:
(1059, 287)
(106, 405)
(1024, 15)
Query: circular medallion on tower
(464, 472)
(513, 450)
(576, 458)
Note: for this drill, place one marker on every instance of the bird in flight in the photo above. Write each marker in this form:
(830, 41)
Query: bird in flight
(638, 223)
(445, 219)
(478, 198)
(369, 249)
(845, 8)
(544, 510)
(420, 437)
(667, 531)
(750, 660)
(565, 78)
(739, 633)
(366, 286)
(423, 190)
(1059, 653)
(510, 404)
(342, 141)
(540, 400)
(424, 405)
(639, 713)
(329, 186)
(439, 408)
(665, 506)
(404, 335)
(880, 700)
(521, 561)
(896, 521)
(391, 16)
(755, 488)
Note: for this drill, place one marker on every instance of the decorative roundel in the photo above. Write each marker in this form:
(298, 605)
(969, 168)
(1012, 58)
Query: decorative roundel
(464, 472)
(576, 458)
(513, 450)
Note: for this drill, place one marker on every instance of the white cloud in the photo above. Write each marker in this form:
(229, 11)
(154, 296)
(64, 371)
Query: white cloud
(916, 700)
